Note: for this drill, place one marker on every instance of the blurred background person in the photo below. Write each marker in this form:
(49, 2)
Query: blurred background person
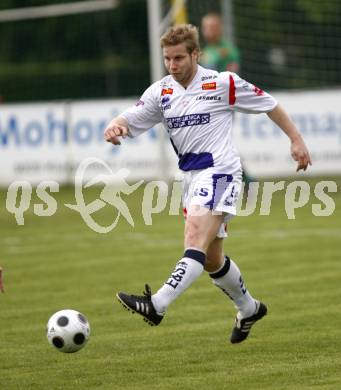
(218, 53)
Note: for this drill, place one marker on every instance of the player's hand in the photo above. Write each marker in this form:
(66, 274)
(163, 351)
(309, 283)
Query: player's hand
(114, 131)
(300, 153)
(2, 289)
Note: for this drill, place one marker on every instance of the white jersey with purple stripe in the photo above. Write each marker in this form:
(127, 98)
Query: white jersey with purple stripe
(198, 118)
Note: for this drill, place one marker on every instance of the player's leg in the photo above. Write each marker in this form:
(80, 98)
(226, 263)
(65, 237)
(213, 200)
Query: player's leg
(215, 255)
(227, 276)
(200, 229)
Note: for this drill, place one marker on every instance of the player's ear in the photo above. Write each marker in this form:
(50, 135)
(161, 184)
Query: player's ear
(196, 55)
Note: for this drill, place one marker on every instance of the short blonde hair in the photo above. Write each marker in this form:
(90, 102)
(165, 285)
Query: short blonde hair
(182, 33)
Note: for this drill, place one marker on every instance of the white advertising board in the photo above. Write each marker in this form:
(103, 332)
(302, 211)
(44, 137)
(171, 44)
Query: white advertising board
(47, 141)
(265, 149)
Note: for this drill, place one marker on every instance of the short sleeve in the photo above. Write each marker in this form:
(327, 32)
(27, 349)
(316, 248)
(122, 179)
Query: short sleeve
(145, 114)
(246, 97)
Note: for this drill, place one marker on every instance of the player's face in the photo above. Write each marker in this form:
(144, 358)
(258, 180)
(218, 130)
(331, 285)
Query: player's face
(180, 64)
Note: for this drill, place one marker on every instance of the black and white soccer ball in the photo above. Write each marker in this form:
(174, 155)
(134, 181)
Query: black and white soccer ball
(68, 330)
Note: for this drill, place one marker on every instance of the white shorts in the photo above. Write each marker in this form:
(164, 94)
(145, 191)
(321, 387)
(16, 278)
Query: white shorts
(216, 191)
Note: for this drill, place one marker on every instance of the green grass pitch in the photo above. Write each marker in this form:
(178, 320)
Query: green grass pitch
(57, 262)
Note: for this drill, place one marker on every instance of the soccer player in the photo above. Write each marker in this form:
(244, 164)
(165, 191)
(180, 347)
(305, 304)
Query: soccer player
(195, 105)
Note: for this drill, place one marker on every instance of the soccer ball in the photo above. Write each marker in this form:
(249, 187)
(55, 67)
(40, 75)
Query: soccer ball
(68, 330)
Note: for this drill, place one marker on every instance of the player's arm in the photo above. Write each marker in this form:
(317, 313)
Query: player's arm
(299, 151)
(136, 119)
(117, 127)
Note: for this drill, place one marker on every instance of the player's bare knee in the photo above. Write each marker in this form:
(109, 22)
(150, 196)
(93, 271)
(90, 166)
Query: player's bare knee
(194, 240)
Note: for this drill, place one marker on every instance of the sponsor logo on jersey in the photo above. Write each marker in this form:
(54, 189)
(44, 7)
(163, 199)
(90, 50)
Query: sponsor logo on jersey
(167, 91)
(188, 120)
(249, 87)
(164, 103)
(258, 91)
(208, 97)
(139, 103)
(166, 84)
(204, 78)
(209, 86)
(165, 100)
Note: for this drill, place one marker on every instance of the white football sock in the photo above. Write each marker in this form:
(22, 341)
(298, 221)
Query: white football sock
(230, 281)
(187, 270)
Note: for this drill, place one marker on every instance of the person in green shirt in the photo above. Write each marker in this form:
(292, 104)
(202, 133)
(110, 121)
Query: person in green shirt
(218, 54)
